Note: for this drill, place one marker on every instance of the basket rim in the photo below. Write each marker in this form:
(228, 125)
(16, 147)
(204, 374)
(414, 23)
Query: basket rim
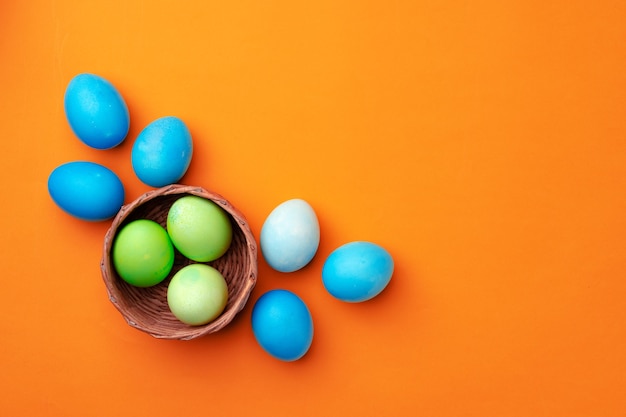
(191, 332)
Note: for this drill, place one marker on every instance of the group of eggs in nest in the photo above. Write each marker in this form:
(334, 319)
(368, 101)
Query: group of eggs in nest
(143, 251)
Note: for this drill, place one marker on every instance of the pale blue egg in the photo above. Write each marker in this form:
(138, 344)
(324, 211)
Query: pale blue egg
(162, 152)
(290, 236)
(357, 271)
(282, 325)
(86, 190)
(96, 111)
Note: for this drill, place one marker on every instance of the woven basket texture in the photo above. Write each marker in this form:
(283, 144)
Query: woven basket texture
(146, 308)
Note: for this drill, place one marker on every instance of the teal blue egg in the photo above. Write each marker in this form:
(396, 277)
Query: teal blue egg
(357, 271)
(86, 190)
(162, 152)
(282, 325)
(96, 111)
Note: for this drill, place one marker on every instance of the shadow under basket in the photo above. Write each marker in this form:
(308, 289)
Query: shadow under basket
(146, 308)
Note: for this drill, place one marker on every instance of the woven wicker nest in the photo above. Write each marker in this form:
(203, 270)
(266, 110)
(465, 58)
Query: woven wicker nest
(146, 308)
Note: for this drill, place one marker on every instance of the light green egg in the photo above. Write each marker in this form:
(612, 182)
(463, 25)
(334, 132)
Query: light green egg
(199, 228)
(142, 253)
(197, 294)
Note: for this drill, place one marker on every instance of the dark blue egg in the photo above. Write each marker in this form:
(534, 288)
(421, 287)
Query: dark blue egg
(96, 111)
(162, 152)
(357, 271)
(86, 190)
(282, 325)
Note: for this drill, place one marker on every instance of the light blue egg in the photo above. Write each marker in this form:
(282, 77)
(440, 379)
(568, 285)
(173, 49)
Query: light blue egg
(96, 111)
(162, 152)
(282, 325)
(357, 271)
(86, 190)
(290, 236)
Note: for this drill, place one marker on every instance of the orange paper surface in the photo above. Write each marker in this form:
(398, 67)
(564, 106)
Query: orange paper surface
(481, 143)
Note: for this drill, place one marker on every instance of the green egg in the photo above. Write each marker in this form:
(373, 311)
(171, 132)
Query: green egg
(199, 228)
(197, 294)
(142, 253)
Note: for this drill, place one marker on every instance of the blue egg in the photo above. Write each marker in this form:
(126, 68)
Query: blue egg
(290, 236)
(96, 111)
(357, 271)
(86, 190)
(162, 152)
(282, 325)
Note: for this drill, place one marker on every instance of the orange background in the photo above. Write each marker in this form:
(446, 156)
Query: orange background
(482, 143)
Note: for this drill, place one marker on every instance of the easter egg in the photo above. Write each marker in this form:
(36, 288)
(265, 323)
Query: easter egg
(357, 271)
(86, 190)
(96, 111)
(142, 253)
(199, 228)
(282, 325)
(162, 152)
(290, 236)
(197, 294)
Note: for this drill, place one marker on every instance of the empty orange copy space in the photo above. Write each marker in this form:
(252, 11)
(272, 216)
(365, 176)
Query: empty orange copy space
(481, 144)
